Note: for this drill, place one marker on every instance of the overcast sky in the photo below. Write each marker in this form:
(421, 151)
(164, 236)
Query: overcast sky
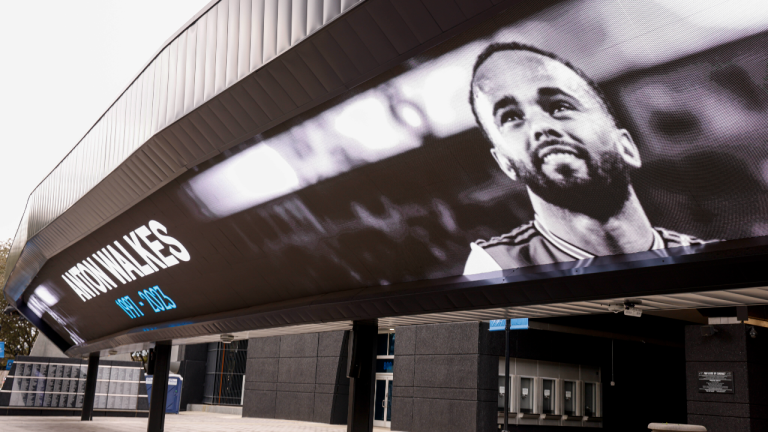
(63, 64)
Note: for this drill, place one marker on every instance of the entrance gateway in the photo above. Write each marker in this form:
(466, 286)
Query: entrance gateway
(289, 169)
(383, 401)
(385, 360)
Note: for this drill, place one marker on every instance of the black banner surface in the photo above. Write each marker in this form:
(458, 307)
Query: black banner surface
(582, 131)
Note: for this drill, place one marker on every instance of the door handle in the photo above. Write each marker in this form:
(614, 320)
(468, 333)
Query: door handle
(383, 403)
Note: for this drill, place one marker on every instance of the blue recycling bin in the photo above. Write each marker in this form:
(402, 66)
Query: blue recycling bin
(173, 403)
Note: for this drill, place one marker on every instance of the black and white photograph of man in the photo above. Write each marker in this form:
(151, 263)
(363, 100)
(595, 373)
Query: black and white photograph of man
(581, 138)
(551, 128)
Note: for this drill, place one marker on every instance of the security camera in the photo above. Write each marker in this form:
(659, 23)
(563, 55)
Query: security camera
(628, 307)
(616, 308)
(631, 310)
(753, 333)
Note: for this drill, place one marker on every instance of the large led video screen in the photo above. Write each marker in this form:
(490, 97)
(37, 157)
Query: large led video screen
(587, 129)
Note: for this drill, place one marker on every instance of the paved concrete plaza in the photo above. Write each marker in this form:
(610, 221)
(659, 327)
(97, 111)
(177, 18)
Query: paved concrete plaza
(184, 422)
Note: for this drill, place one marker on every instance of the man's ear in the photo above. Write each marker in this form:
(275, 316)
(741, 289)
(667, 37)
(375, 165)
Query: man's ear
(504, 163)
(627, 148)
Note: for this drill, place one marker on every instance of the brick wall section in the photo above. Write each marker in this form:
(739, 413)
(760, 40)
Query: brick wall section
(298, 377)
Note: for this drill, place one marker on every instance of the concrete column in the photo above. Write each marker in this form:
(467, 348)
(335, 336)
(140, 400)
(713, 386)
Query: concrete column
(90, 386)
(741, 349)
(445, 378)
(362, 375)
(192, 360)
(298, 377)
(159, 397)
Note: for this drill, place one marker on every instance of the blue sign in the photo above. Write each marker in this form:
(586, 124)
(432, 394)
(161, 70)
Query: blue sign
(514, 324)
(2, 349)
(8, 365)
(497, 325)
(518, 324)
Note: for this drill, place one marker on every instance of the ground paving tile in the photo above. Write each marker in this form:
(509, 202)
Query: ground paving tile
(183, 422)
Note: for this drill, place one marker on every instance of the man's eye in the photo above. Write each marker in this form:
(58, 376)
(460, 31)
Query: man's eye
(510, 116)
(560, 106)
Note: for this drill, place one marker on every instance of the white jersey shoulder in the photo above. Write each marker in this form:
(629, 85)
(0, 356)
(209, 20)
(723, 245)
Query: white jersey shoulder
(479, 261)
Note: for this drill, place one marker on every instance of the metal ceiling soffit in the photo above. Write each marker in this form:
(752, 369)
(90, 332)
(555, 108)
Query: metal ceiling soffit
(250, 327)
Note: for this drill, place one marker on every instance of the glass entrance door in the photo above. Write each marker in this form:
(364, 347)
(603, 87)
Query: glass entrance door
(382, 404)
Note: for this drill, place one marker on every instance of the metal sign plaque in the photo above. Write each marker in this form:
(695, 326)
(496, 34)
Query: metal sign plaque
(716, 382)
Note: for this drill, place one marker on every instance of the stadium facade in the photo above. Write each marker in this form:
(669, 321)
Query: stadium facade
(324, 178)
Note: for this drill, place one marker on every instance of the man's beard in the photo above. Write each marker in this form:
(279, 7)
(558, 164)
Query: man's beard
(601, 195)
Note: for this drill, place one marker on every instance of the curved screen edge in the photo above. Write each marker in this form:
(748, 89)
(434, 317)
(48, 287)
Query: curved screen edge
(561, 144)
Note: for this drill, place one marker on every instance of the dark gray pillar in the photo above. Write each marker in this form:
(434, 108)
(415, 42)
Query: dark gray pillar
(159, 397)
(431, 393)
(192, 370)
(742, 350)
(298, 377)
(362, 374)
(90, 386)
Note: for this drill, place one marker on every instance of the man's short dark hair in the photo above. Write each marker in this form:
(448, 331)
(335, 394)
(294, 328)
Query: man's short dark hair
(516, 46)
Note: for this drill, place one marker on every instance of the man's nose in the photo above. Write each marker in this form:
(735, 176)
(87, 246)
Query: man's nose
(542, 129)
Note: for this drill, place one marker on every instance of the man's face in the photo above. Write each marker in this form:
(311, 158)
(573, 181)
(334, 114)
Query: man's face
(549, 129)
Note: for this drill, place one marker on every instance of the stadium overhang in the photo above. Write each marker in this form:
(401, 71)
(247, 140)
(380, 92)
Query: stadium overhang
(303, 163)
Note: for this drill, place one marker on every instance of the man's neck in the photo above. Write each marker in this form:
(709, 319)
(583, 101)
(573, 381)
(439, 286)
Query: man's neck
(627, 232)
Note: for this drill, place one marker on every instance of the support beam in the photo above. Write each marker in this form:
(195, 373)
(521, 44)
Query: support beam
(362, 373)
(507, 386)
(159, 397)
(90, 386)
